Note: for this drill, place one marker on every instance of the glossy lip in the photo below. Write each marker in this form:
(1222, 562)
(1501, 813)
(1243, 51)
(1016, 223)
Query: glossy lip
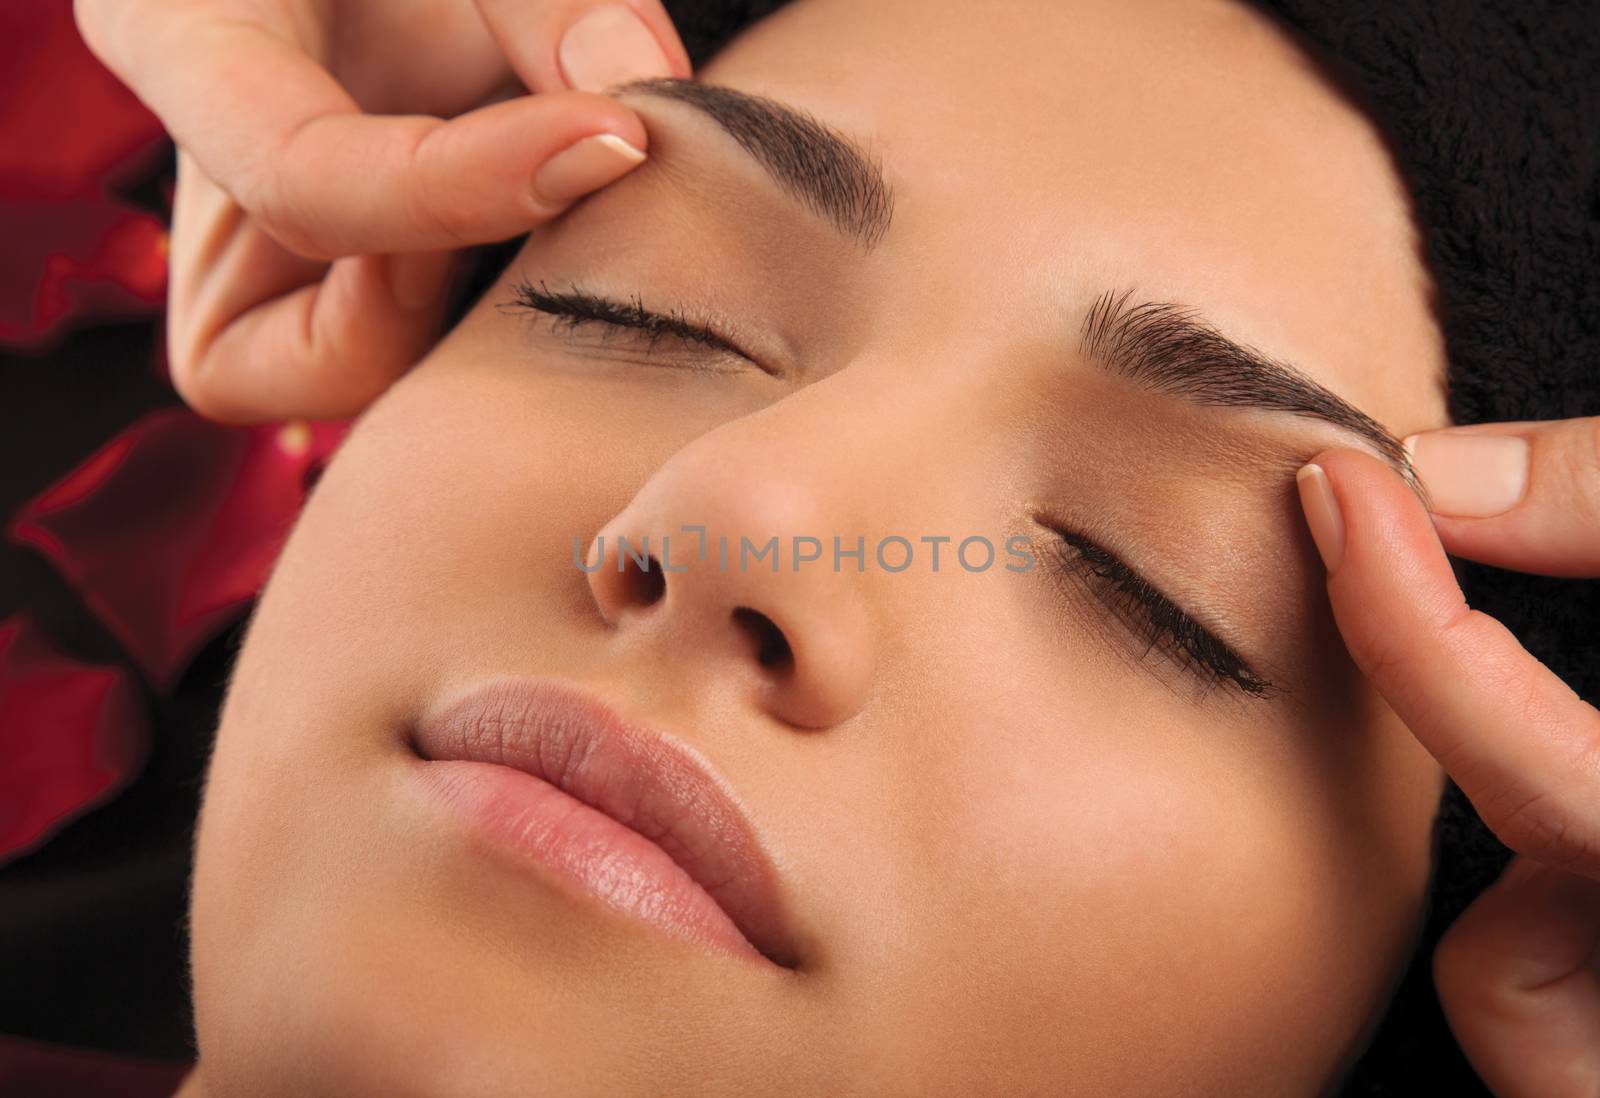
(625, 811)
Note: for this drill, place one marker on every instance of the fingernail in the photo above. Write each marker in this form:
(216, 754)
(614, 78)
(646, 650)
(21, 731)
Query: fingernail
(1470, 475)
(610, 45)
(1322, 514)
(585, 166)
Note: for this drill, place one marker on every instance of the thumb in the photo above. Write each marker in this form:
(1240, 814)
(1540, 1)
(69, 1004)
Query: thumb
(1518, 976)
(1516, 495)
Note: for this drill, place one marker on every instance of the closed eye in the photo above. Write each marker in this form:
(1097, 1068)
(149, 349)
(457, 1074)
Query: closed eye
(1153, 619)
(576, 307)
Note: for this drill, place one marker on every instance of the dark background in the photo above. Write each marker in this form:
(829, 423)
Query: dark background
(92, 946)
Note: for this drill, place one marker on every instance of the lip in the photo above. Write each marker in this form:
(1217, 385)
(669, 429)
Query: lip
(624, 811)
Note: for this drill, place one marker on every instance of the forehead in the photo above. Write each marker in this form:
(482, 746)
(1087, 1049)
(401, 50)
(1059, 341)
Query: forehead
(1043, 151)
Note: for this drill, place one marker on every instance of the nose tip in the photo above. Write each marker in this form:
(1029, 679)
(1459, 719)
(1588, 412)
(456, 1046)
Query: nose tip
(801, 635)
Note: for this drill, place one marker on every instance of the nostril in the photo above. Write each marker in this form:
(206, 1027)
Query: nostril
(644, 586)
(772, 647)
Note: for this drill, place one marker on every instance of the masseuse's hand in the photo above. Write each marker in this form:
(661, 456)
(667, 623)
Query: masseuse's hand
(312, 240)
(1519, 972)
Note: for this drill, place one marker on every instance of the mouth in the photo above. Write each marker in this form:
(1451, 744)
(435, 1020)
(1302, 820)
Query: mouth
(625, 812)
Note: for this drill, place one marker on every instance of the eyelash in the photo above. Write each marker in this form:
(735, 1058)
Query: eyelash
(575, 307)
(1152, 617)
(1155, 619)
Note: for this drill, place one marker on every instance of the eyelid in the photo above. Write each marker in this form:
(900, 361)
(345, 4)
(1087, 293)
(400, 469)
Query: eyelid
(576, 306)
(1219, 664)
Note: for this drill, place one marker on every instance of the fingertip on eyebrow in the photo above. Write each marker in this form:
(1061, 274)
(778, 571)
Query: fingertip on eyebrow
(814, 163)
(1171, 349)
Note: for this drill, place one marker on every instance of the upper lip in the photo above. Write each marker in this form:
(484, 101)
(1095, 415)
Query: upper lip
(643, 778)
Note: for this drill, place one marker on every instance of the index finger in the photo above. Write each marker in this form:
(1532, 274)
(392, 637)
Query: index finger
(1517, 740)
(290, 145)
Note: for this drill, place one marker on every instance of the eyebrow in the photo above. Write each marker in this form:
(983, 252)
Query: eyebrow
(1170, 349)
(814, 163)
(1164, 347)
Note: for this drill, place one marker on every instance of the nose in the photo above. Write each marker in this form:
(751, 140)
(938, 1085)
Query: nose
(724, 562)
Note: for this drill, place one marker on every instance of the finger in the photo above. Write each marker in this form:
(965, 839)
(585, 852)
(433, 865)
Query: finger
(1516, 495)
(433, 57)
(280, 135)
(353, 184)
(236, 355)
(1518, 975)
(1522, 746)
(589, 46)
(325, 350)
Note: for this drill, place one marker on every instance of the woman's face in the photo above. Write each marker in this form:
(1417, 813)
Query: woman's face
(1031, 836)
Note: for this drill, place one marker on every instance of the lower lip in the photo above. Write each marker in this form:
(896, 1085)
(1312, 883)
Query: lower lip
(539, 824)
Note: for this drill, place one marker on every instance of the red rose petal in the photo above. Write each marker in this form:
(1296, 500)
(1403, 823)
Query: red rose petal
(65, 121)
(171, 528)
(71, 735)
(67, 126)
(76, 259)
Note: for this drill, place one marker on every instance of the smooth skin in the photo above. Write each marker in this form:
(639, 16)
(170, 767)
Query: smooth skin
(1517, 974)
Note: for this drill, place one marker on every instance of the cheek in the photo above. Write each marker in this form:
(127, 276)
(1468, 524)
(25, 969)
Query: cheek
(1093, 870)
(437, 544)
(462, 490)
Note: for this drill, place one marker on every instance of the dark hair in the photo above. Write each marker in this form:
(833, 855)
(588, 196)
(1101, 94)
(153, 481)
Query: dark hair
(1499, 153)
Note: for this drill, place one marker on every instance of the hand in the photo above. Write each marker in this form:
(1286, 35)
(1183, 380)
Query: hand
(1519, 973)
(312, 242)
